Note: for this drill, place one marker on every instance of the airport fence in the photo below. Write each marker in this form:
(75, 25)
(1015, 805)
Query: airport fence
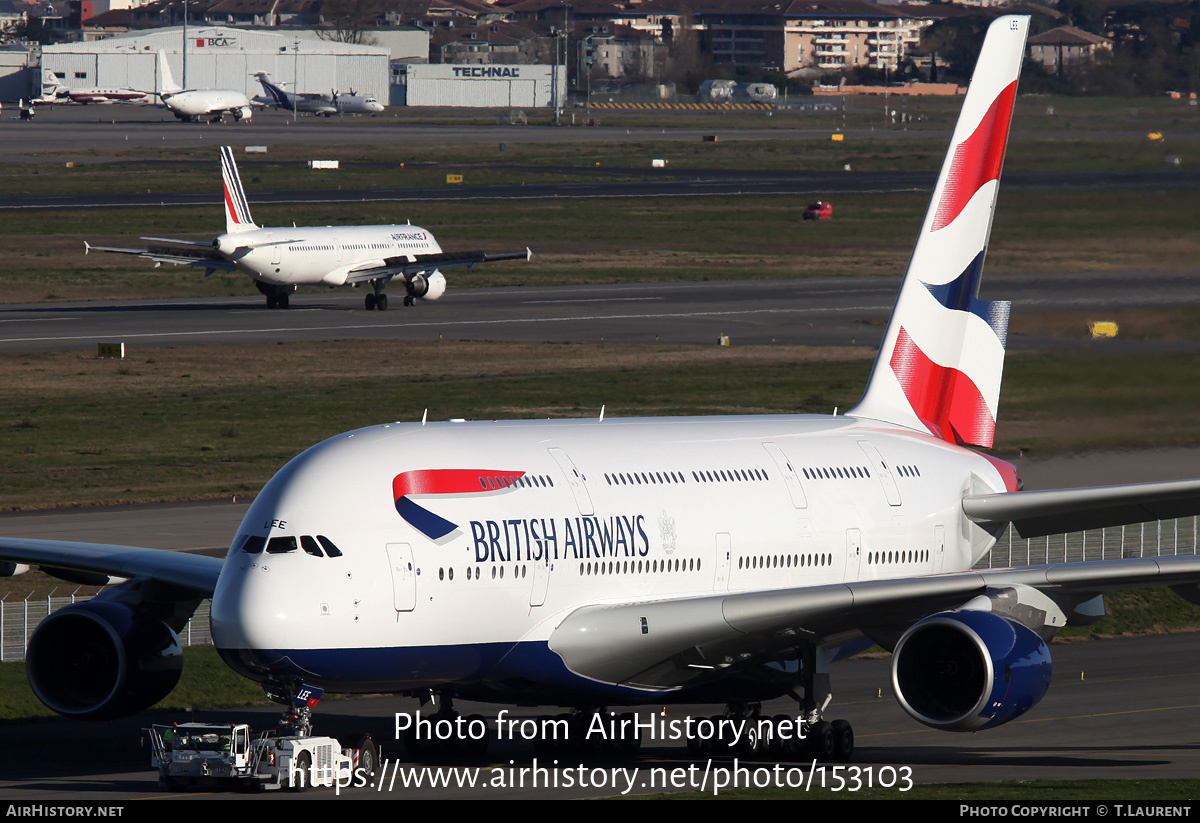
(1157, 538)
(1163, 538)
(20, 617)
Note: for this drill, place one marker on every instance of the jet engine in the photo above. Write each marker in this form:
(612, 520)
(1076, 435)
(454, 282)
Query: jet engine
(964, 671)
(100, 660)
(427, 288)
(244, 113)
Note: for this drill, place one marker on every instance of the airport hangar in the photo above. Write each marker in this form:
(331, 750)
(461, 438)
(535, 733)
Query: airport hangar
(221, 57)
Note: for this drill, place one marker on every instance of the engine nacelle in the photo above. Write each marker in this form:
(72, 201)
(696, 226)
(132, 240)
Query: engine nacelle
(244, 113)
(12, 569)
(427, 288)
(100, 660)
(969, 670)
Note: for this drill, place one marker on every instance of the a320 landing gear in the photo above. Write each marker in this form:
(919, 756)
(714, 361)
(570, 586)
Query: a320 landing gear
(277, 296)
(377, 300)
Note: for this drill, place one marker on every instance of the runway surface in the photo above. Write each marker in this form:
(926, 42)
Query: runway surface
(1118, 709)
(643, 183)
(814, 311)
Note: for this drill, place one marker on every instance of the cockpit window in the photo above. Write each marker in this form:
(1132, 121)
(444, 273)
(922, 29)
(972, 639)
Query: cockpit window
(309, 545)
(254, 544)
(281, 545)
(330, 549)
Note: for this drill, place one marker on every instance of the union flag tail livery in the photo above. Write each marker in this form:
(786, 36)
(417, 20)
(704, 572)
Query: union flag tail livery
(942, 358)
(237, 208)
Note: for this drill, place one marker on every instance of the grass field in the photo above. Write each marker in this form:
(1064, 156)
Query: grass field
(186, 423)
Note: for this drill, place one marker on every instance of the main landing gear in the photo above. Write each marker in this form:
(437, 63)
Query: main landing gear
(377, 299)
(277, 296)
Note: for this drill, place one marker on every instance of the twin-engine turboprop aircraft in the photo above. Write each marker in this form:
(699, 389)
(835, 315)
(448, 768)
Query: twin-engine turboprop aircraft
(595, 563)
(280, 259)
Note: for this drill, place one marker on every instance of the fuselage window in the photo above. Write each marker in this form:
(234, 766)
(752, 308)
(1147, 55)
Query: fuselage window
(254, 544)
(281, 545)
(310, 546)
(330, 549)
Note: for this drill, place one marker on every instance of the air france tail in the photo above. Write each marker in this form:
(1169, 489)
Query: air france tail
(942, 357)
(237, 208)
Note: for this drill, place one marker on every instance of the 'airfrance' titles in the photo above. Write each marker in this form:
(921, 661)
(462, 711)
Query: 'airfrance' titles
(578, 538)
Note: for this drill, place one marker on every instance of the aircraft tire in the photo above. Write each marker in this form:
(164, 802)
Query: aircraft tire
(408, 300)
(368, 756)
(843, 740)
(822, 743)
(381, 302)
(302, 774)
(283, 301)
(272, 301)
(369, 302)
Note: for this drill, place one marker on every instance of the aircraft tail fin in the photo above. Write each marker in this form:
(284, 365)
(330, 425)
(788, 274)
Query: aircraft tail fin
(237, 208)
(273, 92)
(50, 83)
(940, 364)
(166, 80)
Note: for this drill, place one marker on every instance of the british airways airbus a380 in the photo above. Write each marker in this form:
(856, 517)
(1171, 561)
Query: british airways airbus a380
(280, 259)
(596, 563)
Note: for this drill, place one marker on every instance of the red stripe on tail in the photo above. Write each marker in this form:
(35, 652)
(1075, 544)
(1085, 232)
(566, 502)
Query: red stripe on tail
(944, 399)
(977, 160)
(233, 215)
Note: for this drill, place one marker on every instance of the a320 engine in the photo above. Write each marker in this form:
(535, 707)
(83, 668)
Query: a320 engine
(965, 671)
(100, 660)
(429, 287)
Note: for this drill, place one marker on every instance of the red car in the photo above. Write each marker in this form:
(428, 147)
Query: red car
(819, 210)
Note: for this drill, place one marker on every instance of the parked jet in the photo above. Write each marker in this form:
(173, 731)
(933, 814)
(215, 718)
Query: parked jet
(275, 96)
(54, 92)
(624, 561)
(280, 259)
(191, 104)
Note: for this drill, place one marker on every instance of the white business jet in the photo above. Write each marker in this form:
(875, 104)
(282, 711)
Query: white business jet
(280, 259)
(604, 562)
(192, 104)
(55, 92)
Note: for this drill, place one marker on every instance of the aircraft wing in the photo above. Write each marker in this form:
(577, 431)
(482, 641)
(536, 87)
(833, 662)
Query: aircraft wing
(1057, 511)
(190, 571)
(424, 263)
(189, 253)
(668, 644)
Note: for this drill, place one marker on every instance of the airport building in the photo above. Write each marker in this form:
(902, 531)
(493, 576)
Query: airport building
(480, 86)
(221, 57)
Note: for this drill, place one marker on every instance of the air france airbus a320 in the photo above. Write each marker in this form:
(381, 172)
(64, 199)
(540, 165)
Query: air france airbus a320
(611, 562)
(280, 259)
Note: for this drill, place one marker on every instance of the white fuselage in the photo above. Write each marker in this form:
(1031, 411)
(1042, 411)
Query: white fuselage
(311, 256)
(353, 104)
(86, 96)
(563, 514)
(202, 102)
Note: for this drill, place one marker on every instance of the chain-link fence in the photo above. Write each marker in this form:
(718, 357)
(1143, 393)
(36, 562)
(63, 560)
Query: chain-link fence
(1161, 538)
(20, 617)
